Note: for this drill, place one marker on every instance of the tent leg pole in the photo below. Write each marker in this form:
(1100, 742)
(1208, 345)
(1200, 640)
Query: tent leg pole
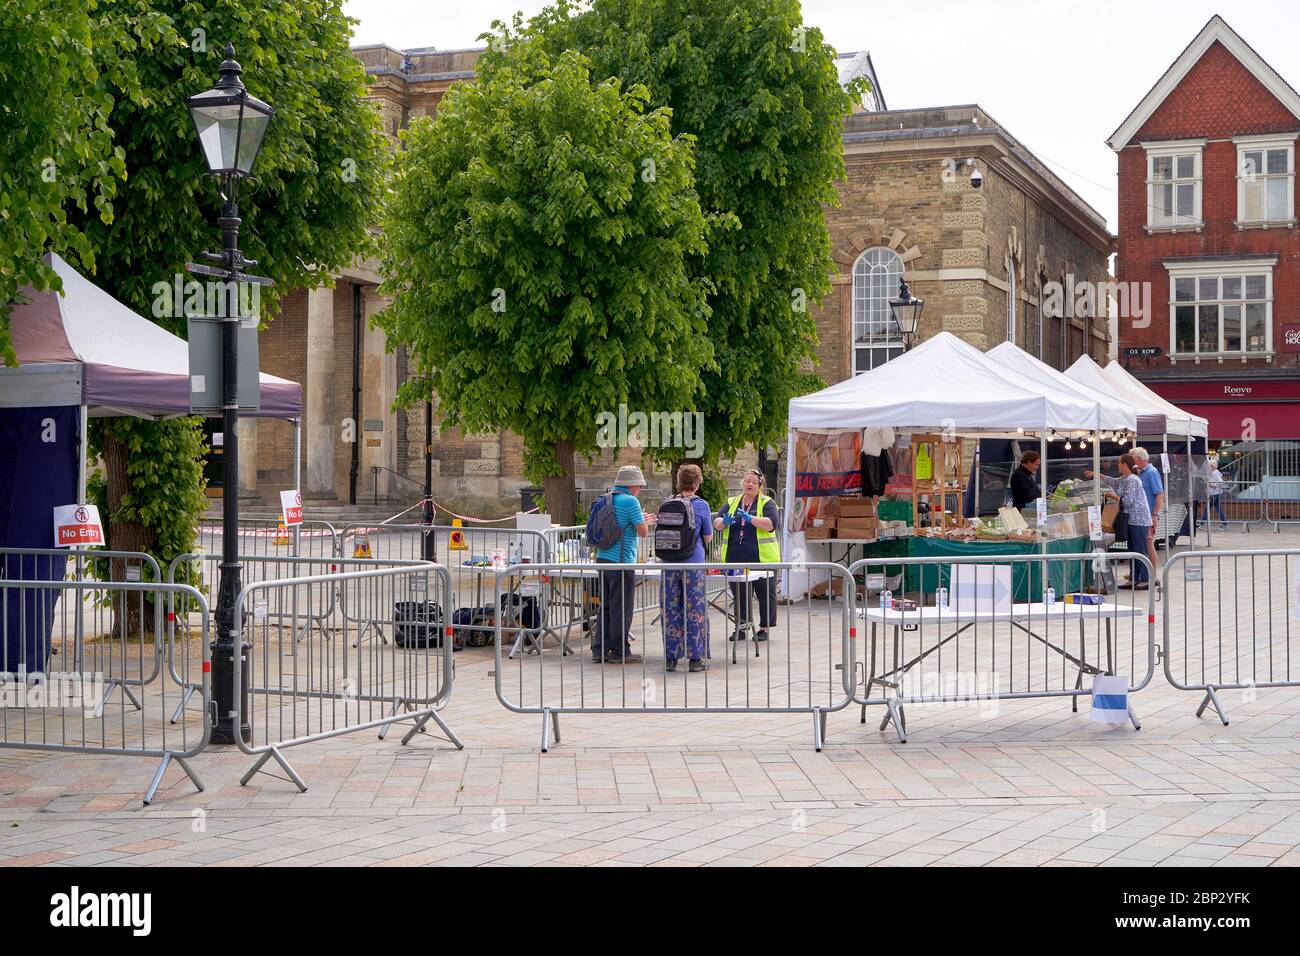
(1042, 485)
(1191, 504)
(297, 479)
(81, 454)
(789, 512)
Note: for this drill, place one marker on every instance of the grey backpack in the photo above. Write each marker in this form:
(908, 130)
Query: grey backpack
(603, 529)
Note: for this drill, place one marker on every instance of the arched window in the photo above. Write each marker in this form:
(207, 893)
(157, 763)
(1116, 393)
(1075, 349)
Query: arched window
(876, 338)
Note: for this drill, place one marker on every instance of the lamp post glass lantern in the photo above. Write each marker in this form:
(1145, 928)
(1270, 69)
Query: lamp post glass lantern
(230, 125)
(907, 312)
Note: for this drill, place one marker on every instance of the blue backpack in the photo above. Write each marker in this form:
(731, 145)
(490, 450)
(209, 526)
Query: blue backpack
(603, 529)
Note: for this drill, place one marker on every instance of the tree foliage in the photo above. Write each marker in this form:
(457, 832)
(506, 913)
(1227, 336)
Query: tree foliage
(536, 243)
(56, 145)
(759, 92)
(318, 186)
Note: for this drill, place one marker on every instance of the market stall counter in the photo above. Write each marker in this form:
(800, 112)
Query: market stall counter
(1026, 578)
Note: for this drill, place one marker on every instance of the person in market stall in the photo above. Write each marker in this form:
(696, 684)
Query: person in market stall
(685, 601)
(1024, 481)
(1128, 491)
(1154, 487)
(748, 526)
(611, 642)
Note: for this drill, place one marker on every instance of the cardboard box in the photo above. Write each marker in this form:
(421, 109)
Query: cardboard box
(856, 507)
(818, 533)
(857, 527)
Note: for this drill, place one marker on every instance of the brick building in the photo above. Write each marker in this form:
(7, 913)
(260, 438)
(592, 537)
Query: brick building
(1207, 220)
(907, 206)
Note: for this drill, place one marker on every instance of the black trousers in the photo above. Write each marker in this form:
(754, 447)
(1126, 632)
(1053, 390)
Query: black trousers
(765, 589)
(617, 605)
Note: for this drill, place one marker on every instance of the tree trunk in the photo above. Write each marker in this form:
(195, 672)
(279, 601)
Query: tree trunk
(561, 496)
(122, 535)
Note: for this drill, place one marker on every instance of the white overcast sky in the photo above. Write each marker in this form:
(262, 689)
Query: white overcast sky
(1060, 75)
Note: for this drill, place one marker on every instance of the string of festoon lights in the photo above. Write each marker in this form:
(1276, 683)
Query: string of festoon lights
(1123, 437)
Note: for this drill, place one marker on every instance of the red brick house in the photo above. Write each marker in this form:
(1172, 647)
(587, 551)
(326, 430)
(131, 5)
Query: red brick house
(1207, 217)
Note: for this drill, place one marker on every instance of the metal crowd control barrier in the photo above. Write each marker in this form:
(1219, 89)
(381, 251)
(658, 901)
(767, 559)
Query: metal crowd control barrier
(1238, 507)
(1232, 622)
(78, 564)
(263, 537)
(787, 659)
(1282, 502)
(112, 635)
(321, 687)
(979, 628)
(470, 557)
(205, 570)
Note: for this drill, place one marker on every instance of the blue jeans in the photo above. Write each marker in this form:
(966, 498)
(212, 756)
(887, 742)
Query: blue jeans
(1137, 541)
(1217, 502)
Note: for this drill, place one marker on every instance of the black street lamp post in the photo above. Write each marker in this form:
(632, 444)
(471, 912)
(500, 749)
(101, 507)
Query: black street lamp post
(907, 313)
(230, 125)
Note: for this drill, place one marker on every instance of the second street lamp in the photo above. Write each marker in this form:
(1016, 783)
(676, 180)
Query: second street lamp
(907, 313)
(230, 125)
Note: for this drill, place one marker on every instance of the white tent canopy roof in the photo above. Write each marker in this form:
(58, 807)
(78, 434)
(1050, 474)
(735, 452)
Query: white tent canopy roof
(1111, 414)
(942, 383)
(1156, 416)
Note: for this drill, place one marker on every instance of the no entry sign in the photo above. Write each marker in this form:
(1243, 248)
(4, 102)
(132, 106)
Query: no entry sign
(291, 507)
(77, 526)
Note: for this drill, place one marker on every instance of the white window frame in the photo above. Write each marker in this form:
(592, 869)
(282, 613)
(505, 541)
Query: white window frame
(1262, 144)
(1219, 271)
(1172, 151)
(867, 288)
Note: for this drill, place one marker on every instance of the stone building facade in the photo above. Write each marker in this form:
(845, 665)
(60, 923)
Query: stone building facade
(907, 205)
(908, 209)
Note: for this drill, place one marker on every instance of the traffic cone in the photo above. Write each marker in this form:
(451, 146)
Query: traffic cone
(281, 535)
(457, 536)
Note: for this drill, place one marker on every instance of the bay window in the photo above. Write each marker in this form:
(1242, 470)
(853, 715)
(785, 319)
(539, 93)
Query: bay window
(1220, 310)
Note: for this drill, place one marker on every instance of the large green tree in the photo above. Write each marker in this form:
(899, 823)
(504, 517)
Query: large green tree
(760, 93)
(536, 243)
(317, 190)
(56, 146)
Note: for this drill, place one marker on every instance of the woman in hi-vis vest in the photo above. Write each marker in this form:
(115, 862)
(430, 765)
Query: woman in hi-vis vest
(748, 526)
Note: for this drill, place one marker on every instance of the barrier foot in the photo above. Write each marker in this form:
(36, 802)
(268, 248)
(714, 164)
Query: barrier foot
(185, 699)
(403, 705)
(1133, 719)
(819, 728)
(894, 712)
(162, 769)
(279, 758)
(442, 725)
(550, 728)
(1212, 698)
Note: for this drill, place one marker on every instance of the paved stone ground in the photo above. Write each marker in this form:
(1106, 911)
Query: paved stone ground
(1029, 784)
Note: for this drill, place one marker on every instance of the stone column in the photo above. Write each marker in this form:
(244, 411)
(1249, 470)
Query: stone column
(247, 432)
(318, 421)
(379, 373)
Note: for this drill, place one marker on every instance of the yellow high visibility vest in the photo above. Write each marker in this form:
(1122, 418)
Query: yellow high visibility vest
(769, 548)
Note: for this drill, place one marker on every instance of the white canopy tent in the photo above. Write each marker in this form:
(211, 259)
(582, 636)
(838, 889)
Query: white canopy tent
(1156, 416)
(1111, 412)
(947, 385)
(943, 383)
